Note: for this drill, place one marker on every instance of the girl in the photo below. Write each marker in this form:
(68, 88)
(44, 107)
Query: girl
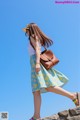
(43, 80)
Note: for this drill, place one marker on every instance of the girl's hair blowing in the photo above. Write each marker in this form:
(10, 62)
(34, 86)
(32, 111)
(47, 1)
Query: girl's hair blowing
(34, 29)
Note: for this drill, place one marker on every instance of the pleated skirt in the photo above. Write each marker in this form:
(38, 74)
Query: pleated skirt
(45, 78)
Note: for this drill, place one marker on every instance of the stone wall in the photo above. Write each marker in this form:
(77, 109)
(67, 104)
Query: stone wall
(70, 114)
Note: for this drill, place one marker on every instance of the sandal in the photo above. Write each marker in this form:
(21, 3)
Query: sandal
(77, 99)
(34, 118)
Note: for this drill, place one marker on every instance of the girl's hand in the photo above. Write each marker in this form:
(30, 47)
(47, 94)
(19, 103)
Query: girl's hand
(37, 67)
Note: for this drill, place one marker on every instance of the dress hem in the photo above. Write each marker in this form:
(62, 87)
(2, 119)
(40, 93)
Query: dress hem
(49, 86)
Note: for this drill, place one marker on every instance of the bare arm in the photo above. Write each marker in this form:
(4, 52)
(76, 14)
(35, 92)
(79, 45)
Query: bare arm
(36, 44)
(38, 51)
(37, 47)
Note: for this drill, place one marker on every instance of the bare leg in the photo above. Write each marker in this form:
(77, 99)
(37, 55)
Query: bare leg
(61, 91)
(37, 104)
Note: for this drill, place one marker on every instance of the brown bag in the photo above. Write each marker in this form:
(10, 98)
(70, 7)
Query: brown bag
(47, 58)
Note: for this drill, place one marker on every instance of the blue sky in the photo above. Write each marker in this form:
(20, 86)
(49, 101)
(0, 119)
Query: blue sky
(61, 23)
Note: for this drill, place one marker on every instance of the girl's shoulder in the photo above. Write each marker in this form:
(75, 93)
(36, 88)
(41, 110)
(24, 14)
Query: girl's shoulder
(34, 41)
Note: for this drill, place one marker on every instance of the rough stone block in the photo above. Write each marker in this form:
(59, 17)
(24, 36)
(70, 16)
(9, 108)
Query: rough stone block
(70, 114)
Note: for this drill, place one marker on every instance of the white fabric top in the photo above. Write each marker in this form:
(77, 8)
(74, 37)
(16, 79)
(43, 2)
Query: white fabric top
(31, 50)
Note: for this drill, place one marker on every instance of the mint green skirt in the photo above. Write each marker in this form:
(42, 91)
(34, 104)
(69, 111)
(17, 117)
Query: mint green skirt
(45, 78)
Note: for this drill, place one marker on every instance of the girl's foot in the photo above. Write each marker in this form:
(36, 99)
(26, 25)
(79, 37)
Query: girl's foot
(76, 100)
(33, 118)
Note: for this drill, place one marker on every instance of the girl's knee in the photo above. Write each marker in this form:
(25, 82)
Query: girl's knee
(49, 88)
(36, 93)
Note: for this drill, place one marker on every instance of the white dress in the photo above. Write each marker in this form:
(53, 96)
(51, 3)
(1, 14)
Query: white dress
(31, 50)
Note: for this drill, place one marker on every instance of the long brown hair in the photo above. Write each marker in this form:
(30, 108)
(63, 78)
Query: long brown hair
(34, 29)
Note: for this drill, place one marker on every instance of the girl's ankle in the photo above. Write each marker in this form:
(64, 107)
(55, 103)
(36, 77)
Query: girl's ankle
(74, 96)
(36, 116)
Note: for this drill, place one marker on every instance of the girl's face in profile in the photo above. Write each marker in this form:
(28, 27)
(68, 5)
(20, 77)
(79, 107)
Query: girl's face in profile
(27, 31)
